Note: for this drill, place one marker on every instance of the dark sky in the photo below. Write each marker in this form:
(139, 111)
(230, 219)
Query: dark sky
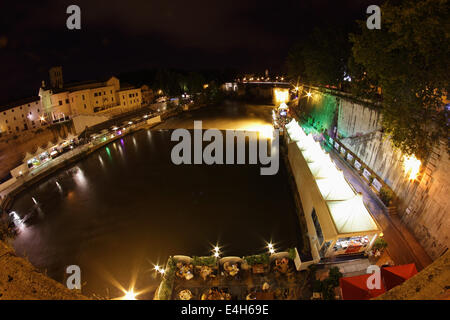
(120, 36)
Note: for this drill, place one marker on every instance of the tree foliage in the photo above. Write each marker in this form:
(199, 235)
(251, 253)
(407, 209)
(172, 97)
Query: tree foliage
(408, 59)
(321, 59)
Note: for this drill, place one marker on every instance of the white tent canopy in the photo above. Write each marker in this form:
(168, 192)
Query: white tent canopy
(28, 156)
(335, 187)
(351, 215)
(283, 106)
(346, 209)
(39, 151)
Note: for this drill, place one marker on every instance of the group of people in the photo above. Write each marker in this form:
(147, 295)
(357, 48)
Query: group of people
(185, 270)
(205, 272)
(231, 269)
(282, 265)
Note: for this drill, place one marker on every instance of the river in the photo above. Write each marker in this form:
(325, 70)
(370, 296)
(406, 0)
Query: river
(126, 207)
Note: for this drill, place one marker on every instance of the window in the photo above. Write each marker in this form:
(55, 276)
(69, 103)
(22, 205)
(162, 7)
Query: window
(39, 110)
(6, 121)
(85, 106)
(20, 108)
(67, 100)
(111, 91)
(317, 226)
(83, 96)
(12, 110)
(60, 102)
(95, 94)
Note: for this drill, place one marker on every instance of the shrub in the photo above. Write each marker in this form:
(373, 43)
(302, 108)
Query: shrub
(292, 253)
(334, 276)
(204, 261)
(166, 286)
(257, 259)
(386, 195)
(328, 289)
(380, 244)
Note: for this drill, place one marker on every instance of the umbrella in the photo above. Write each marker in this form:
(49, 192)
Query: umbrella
(355, 288)
(396, 275)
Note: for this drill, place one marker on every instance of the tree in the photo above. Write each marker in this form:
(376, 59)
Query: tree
(408, 59)
(321, 59)
(295, 63)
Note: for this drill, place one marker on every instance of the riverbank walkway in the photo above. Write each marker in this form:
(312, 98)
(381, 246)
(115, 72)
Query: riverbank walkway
(403, 247)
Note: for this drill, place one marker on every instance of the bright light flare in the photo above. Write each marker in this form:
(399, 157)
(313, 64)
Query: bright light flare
(216, 251)
(281, 95)
(271, 248)
(129, 295)
(411, 166)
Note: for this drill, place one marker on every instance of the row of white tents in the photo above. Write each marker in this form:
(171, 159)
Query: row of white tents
(345, 214)
(47, 147)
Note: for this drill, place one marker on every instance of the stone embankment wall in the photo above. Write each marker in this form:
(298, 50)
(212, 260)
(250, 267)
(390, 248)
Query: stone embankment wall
(424, 204)
(13, 150)
(20, 280)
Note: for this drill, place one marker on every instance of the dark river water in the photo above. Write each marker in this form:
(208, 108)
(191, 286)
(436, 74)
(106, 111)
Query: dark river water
(127, 207)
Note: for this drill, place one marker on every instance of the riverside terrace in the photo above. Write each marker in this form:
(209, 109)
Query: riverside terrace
(256, 277)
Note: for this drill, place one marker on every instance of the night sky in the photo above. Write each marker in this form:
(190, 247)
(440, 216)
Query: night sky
(122, 36)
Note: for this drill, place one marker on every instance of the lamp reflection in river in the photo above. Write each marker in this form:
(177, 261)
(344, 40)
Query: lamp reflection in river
(80, 178)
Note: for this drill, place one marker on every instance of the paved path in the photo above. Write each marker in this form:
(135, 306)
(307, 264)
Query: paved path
(403, 247)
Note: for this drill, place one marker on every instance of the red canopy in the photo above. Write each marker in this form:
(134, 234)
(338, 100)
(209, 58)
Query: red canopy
(355, 288)
(393, 276)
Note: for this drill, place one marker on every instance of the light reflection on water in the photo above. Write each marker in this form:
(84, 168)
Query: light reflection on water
(136, 208)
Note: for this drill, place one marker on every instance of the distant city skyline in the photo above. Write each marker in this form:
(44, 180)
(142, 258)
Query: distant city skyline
(134, 35)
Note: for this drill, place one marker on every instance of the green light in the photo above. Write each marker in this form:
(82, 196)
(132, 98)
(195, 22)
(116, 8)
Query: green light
(108, 152)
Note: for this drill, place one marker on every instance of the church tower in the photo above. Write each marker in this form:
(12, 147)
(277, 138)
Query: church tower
(56, 77)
